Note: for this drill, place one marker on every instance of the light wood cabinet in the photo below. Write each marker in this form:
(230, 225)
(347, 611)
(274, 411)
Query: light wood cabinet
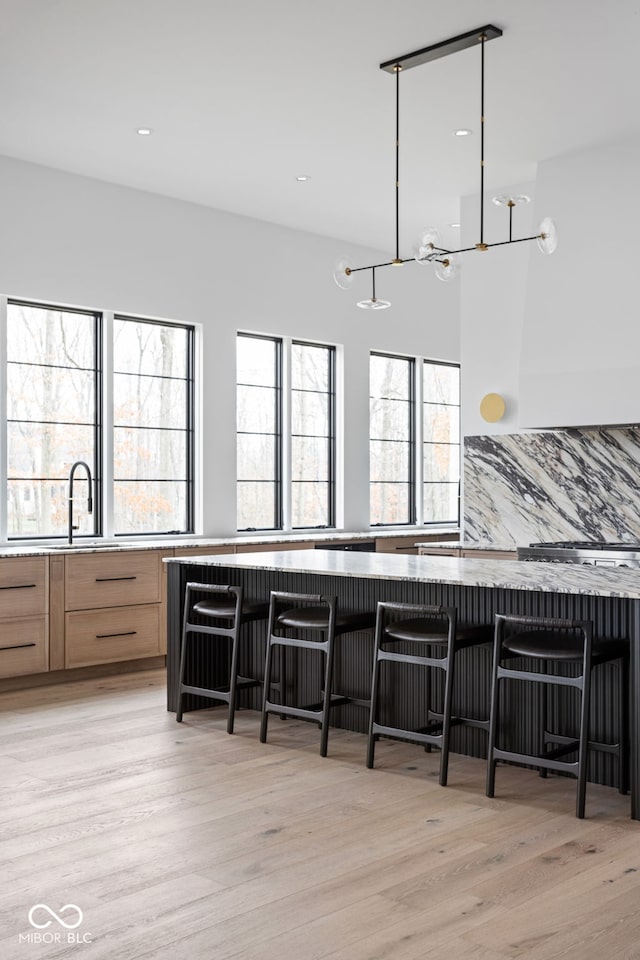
(490, 554)
(269, 547)
(115, 606)
(406, 544)
(202, 551)
(112, 579)
(24, 621)
(425, 550)
(117, 633)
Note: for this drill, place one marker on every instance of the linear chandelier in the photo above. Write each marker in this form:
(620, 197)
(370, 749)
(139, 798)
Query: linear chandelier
(427, 249)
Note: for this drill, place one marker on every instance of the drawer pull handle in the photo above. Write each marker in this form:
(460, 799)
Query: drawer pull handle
(18, 646)
(105, 636)
(105, 579)
(18, 586)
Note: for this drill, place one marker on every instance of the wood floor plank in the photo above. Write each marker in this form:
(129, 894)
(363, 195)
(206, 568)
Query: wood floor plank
(179, 841)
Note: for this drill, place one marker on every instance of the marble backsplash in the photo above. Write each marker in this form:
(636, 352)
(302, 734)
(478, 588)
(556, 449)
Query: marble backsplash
(555, 485)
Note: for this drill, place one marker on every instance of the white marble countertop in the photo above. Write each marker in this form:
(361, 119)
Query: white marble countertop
(169, 543)
(462, 545)
(501, 574)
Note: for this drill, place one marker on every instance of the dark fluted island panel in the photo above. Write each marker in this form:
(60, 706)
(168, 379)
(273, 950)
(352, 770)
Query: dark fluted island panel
(478, 589)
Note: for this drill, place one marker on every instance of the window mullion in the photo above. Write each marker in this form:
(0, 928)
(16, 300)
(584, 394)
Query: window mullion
(285, 434)
(107, 421)
(419, 440)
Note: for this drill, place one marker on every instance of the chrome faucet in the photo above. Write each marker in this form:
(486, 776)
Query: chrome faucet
(78, 463)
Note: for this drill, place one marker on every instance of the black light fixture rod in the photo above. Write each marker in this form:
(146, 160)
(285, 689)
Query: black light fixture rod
(511, 205)
(373, 283)
(482, 139)
(504, 243)
(374, 266)
(442, 49)
(398, 69)
(499, 243)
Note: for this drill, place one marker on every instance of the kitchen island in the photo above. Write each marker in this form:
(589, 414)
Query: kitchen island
(610, 597)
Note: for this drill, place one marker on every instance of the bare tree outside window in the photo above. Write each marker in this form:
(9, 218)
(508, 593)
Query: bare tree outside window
(391, 439)
(312, 435)
(441, 442)
(258, 414)
(309, 432)
(152, 432)
(52, 385)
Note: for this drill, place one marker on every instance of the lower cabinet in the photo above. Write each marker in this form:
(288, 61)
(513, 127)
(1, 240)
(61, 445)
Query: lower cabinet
(24, 620)
(24, 646)
(111, 634)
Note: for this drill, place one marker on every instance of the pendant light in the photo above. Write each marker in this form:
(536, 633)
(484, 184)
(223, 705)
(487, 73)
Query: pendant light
(427, 249)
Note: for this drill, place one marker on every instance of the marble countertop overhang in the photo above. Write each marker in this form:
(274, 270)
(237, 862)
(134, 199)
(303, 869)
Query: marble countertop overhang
(464, 572)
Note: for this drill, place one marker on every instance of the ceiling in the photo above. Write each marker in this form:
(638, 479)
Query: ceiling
(244, 96)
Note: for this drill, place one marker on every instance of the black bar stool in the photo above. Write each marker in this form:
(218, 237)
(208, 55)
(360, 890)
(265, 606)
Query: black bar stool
(434, 628)
(313, 614)
(554, 643)
(226, 610)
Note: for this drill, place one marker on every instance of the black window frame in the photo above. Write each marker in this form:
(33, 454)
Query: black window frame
(442, 363)
(411, 401)
(189, 424)
(331, 438)
(97, 465)
(277, 479)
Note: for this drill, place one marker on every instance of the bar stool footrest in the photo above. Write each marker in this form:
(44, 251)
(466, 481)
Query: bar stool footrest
(213, 693)
(613, 748)
(546, 762)
(412, 736)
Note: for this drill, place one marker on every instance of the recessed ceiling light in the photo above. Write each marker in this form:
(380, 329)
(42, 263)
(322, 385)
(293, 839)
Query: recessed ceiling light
(144, 131)
(454, 224)
(303, 178)
(462, 133)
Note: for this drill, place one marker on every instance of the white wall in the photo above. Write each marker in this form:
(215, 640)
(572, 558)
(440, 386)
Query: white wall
(557, 335)
(492, 302)
(581, 345)
(76, 241)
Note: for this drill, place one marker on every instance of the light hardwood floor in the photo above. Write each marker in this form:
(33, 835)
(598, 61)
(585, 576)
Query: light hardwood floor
(183, 842)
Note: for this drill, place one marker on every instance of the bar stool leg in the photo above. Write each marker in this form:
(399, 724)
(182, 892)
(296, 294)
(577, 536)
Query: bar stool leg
(375, 687)
(233, 679)
(183, 653)
(326, 700)
(493, 714)
(448, 667)
(583, 749)
(623, 725)
(265, 696)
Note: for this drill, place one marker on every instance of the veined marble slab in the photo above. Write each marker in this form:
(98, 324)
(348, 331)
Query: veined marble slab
(557, 485)
(504, 574)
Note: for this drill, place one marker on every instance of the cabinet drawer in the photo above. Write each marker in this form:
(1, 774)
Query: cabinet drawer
(104, 636)
(23, 586)
(113, 579)
(24, 646)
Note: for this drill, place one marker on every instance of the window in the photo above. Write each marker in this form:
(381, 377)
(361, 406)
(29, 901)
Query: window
(152, 427)
(286, 433)
(312, 435)
(391, 442)
(441, 442)
(53, 391)
(56, 415)
(259, 441)
(396, 474)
